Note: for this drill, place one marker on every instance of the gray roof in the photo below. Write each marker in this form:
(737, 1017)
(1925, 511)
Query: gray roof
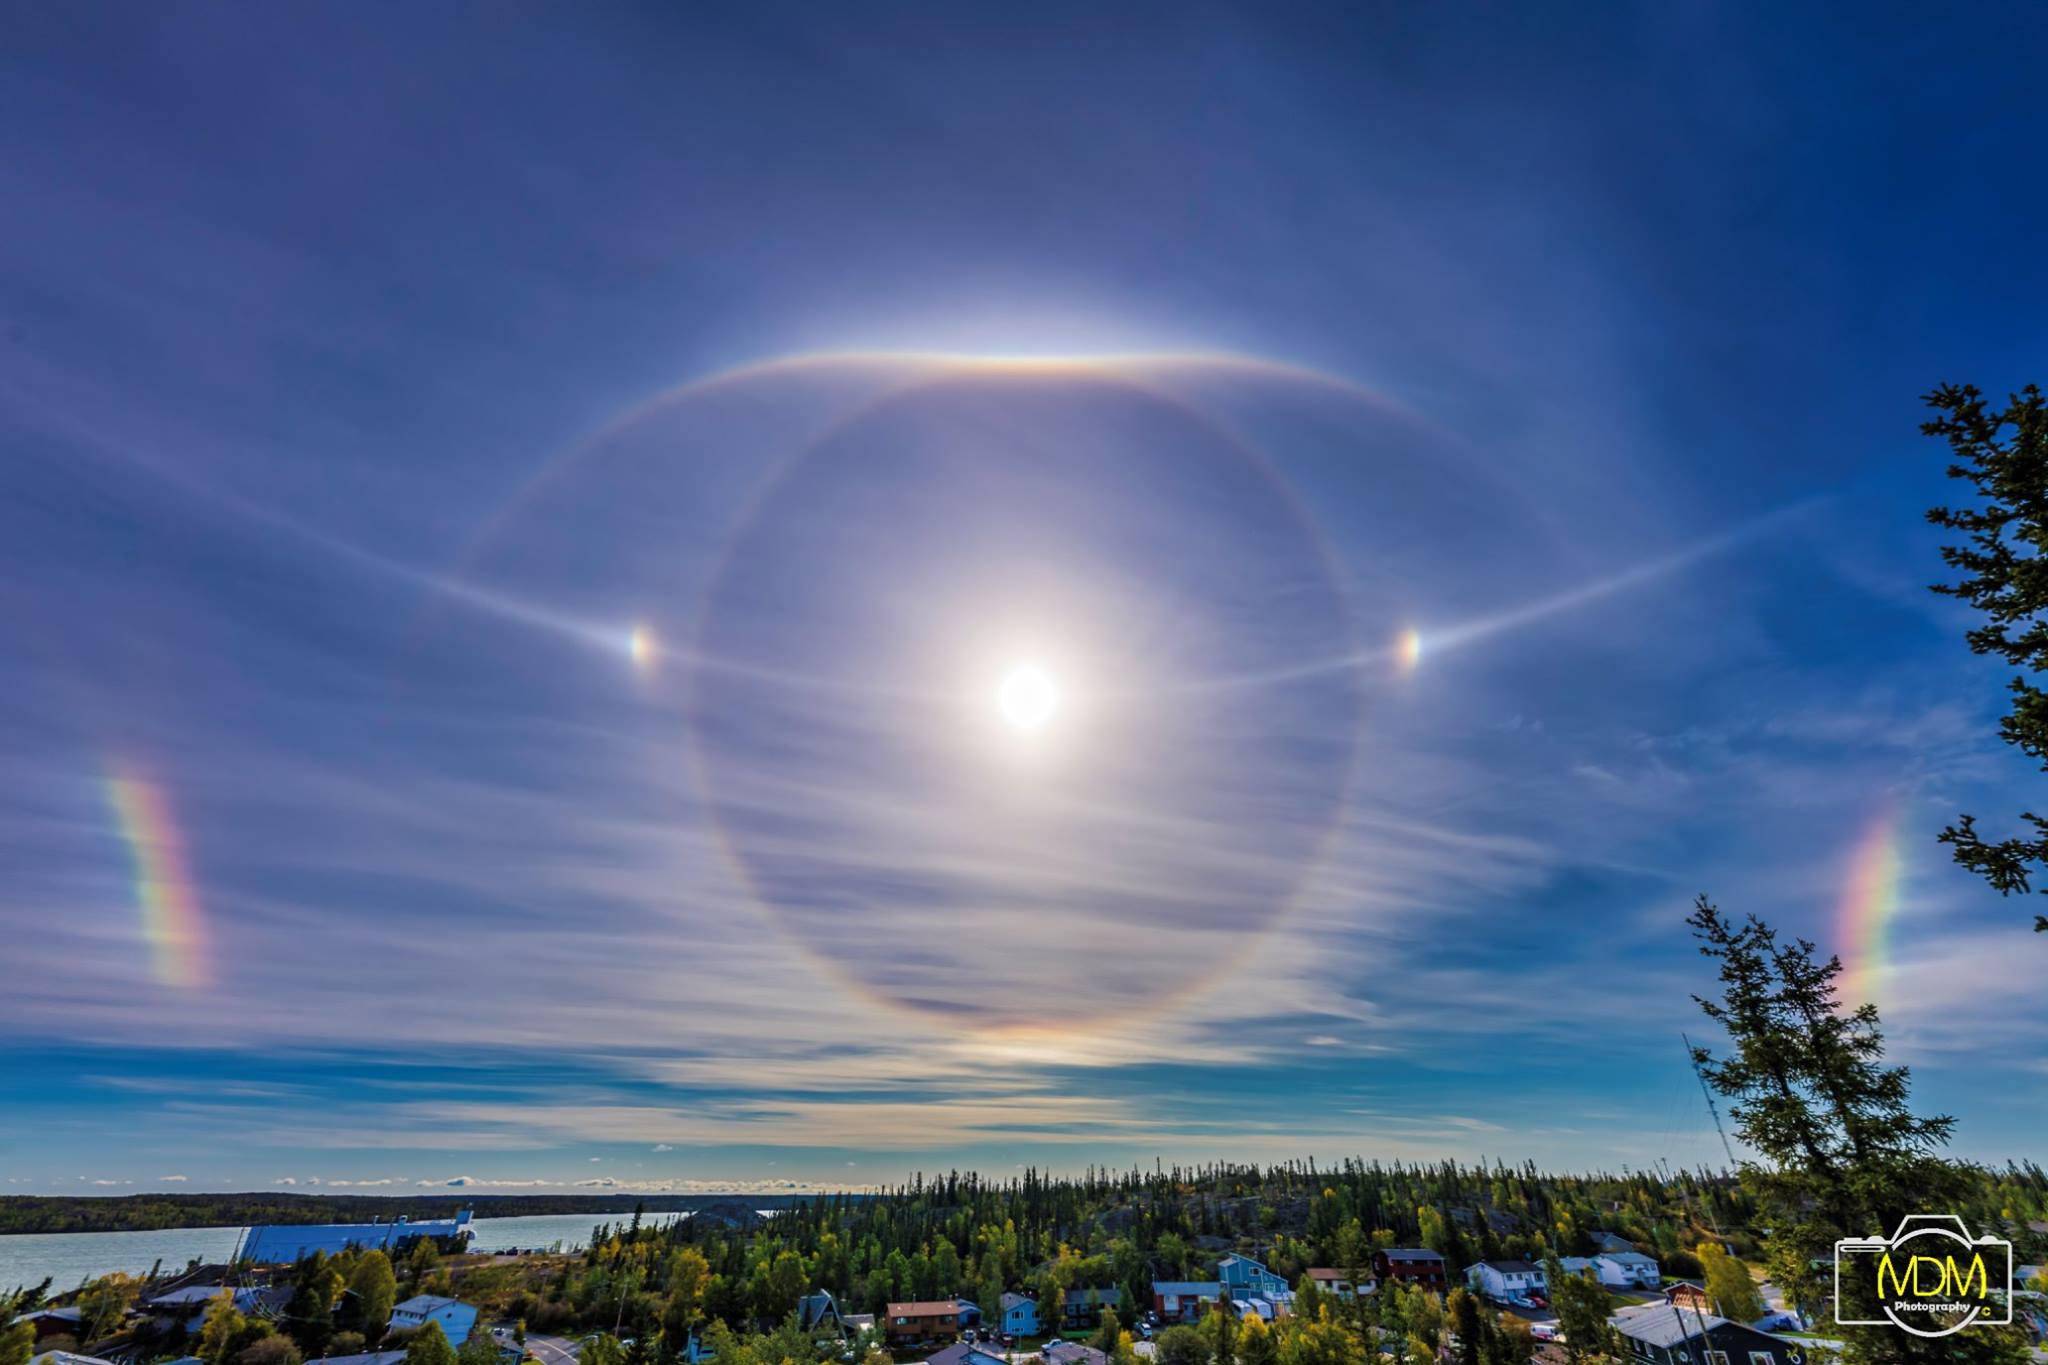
(1661, 1325)
(1180, 1288)
(1411, 1254)
(423, 1303)
(963, 1354)
(366, 1358)
(1010, 1301)
(1626, 1258)
(1513, 1267)
(1073, 1353)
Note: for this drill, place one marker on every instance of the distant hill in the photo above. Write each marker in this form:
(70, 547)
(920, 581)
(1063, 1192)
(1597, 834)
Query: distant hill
(144, 1212)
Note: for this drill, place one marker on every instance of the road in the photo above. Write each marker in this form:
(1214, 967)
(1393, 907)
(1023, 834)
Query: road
(552, 1350)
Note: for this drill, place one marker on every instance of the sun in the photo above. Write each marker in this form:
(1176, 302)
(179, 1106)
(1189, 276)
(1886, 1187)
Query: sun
(1027, 698)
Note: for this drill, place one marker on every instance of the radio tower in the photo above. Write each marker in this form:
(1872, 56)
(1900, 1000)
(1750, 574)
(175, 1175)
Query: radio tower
(1707, 1091)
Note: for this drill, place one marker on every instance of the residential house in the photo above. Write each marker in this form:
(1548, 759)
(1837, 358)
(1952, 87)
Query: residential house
(455, 1317)
(1018, 1315)
(1659, 1335)
(923, 1321)
(819, 1312)
(361, 1358)
(856, 1323)
(1411, 1266)
(1246, 1278)
(966, 1353)
(1072, 1353)
(188, 1307)
(1083, 1309)
(1336, 1282)
(1508, 1281)
(1184, 1300)
(53, 1322)
(1612, 1241)
(1579, 1265)
(66, 1358)
(1627, 1270)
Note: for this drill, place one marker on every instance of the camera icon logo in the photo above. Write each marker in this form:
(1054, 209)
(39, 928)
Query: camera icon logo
(1930, 1278)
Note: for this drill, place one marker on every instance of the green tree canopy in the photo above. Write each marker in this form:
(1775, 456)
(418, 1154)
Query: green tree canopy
(2003, 455)
(373, 1289)
(429, 1346)
(1183, 1345)
(1730, 1285)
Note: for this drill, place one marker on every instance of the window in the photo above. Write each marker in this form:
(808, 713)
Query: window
(1762, 1358)
(1717, 1358)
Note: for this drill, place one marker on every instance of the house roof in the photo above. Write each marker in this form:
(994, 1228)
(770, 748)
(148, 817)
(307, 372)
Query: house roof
(1410, 1254)
(1627, 1258)
(964, 1354)
(424, 1303)
(1513, 1267)
(1182, 1288)
(924, 1308)
(1073, 1353)
(69, 1313)
(191, 1293)
(1108, 1298)
(1660, 1326)
(366, 1358)
(1010, 1301)
(1323, 1272)
(66, 1358)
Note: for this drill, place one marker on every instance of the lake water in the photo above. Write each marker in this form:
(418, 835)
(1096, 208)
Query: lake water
(69, 1257)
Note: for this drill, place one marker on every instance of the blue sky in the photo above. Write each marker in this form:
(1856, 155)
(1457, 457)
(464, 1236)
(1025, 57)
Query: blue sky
(371, 378)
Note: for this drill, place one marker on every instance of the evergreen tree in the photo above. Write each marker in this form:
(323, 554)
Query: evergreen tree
(1468, 1326)
(2004, 456)
(1843, 1154)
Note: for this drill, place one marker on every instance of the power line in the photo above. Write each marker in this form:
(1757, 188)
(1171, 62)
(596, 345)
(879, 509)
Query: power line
(1692, 1058)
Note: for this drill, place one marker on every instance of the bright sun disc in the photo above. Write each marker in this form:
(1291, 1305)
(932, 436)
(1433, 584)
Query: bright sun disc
(1027, 698)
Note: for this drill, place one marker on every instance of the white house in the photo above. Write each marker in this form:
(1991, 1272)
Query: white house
(456, 1318)
(1332, 1281)
(1626, 1269)
(1507, 1281)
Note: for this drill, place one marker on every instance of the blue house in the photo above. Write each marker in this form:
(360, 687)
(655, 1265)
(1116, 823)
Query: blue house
(455, 1317)
(1247, 1279)
(1020, 1316)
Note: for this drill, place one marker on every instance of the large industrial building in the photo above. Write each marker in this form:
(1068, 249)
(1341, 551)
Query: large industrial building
(277, 1244)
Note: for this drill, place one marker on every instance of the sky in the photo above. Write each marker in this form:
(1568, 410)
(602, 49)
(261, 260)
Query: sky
(522, 531)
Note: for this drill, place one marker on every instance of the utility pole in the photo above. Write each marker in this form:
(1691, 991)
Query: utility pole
(1694, 1062)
